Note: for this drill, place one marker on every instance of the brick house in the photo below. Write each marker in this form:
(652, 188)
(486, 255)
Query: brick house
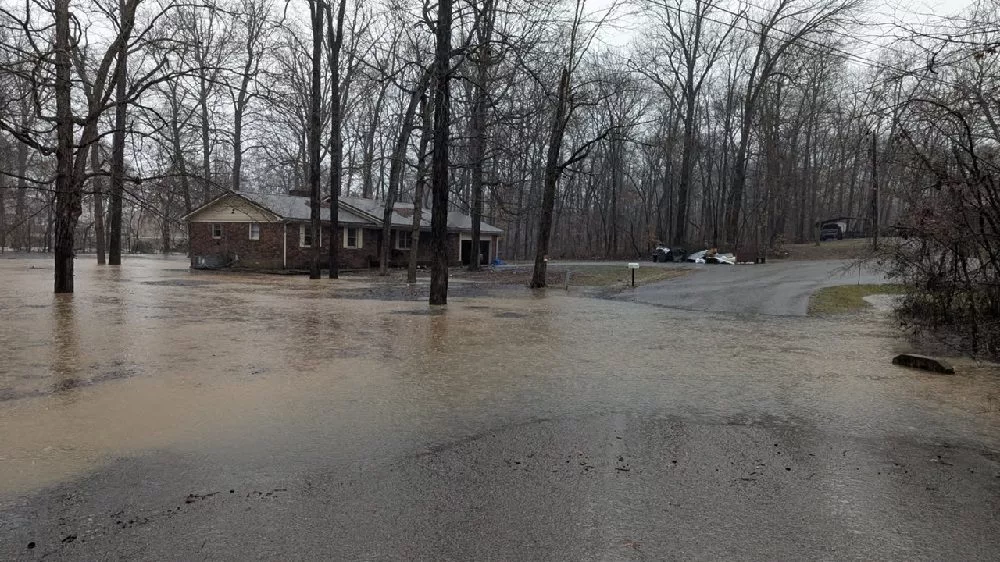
(272, 232)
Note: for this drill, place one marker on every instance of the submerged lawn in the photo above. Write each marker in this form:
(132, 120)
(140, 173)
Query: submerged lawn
(579, 276)
(848, 298)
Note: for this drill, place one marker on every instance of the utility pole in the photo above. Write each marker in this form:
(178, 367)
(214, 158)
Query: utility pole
(874, 191)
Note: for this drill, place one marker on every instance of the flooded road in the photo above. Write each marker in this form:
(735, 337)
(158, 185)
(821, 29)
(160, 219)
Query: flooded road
(163, 413)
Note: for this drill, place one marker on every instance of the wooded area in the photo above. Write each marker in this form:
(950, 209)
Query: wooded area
(582, 129)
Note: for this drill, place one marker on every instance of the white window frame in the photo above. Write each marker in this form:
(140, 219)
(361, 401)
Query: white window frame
(305, 229)
(251, 232)
(400, 234)
(359, 238)
(216, 226)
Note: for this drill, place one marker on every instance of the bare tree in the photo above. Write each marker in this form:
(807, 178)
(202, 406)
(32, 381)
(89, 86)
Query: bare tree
(406, 127)
(689, 46)
(118, 138)
(439, 158)
(316, 10)
(427, 120)
(336, 42)
(478, 133)
(772, 42)
(68, 197)
(564, 105)
(254, 19)
(209, 41)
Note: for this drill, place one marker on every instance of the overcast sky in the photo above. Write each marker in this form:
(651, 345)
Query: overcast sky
(883, 15)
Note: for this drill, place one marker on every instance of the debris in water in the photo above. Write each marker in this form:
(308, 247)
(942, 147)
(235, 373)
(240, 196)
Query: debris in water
(923, 363)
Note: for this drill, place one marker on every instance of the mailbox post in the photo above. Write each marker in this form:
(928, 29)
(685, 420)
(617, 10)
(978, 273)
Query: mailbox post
(633, 266)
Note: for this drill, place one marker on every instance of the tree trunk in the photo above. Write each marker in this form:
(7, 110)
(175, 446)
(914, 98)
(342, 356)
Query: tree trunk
(118, 153)
(315, 128)
(418, 196)
(237, 146)
(180, 163)
(396, 169)
(165, 228)
(3, 216)
(439, 161)
(68, 204)
(239, 108)
(552, 172)
(336, 136)
(99, 234)
(687, 169)
(206, 147)
(735, 206)
(21, 220)
(368, 157)
(477, 127)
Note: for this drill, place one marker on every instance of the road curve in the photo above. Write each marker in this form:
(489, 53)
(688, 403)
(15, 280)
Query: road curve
(774, 289)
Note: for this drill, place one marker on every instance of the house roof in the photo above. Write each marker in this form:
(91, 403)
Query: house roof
(463, 222)
(352, 210)
(375, 209)
(293, 207)
(402, 216)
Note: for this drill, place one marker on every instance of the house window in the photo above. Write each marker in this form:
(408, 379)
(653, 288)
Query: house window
(305, 236)
(254, 231)
(216, 231)
(404, 239)
(352, 238)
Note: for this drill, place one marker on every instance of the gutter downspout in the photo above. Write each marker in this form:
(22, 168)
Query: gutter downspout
(284, 245)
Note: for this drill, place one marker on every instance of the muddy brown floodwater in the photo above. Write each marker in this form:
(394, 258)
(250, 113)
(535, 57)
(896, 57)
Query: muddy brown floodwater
(198, 382)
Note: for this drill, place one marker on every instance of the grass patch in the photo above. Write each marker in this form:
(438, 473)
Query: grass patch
(848, 298)
(607, 276)
(830, 250)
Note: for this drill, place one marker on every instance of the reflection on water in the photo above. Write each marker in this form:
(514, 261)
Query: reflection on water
(150, 356)
(66, 348)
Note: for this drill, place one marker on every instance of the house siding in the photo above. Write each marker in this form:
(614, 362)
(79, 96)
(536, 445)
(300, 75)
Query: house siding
(401, 258)
(349, 258)
(234, 209)
(235, 249)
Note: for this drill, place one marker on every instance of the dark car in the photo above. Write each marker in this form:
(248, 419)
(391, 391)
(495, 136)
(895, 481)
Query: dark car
(664, 254)
(832, 232)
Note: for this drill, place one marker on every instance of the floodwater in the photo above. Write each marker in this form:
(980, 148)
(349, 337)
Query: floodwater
(258, 377)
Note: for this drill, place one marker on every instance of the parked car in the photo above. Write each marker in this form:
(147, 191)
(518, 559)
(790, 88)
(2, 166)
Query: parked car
(665, 254)
(831, 232)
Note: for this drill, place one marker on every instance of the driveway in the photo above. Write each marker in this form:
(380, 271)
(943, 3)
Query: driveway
(775, 289)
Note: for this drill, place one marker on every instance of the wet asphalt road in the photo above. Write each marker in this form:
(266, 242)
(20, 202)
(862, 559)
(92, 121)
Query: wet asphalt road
(777, 288)
(269, 419)
(607, 486)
